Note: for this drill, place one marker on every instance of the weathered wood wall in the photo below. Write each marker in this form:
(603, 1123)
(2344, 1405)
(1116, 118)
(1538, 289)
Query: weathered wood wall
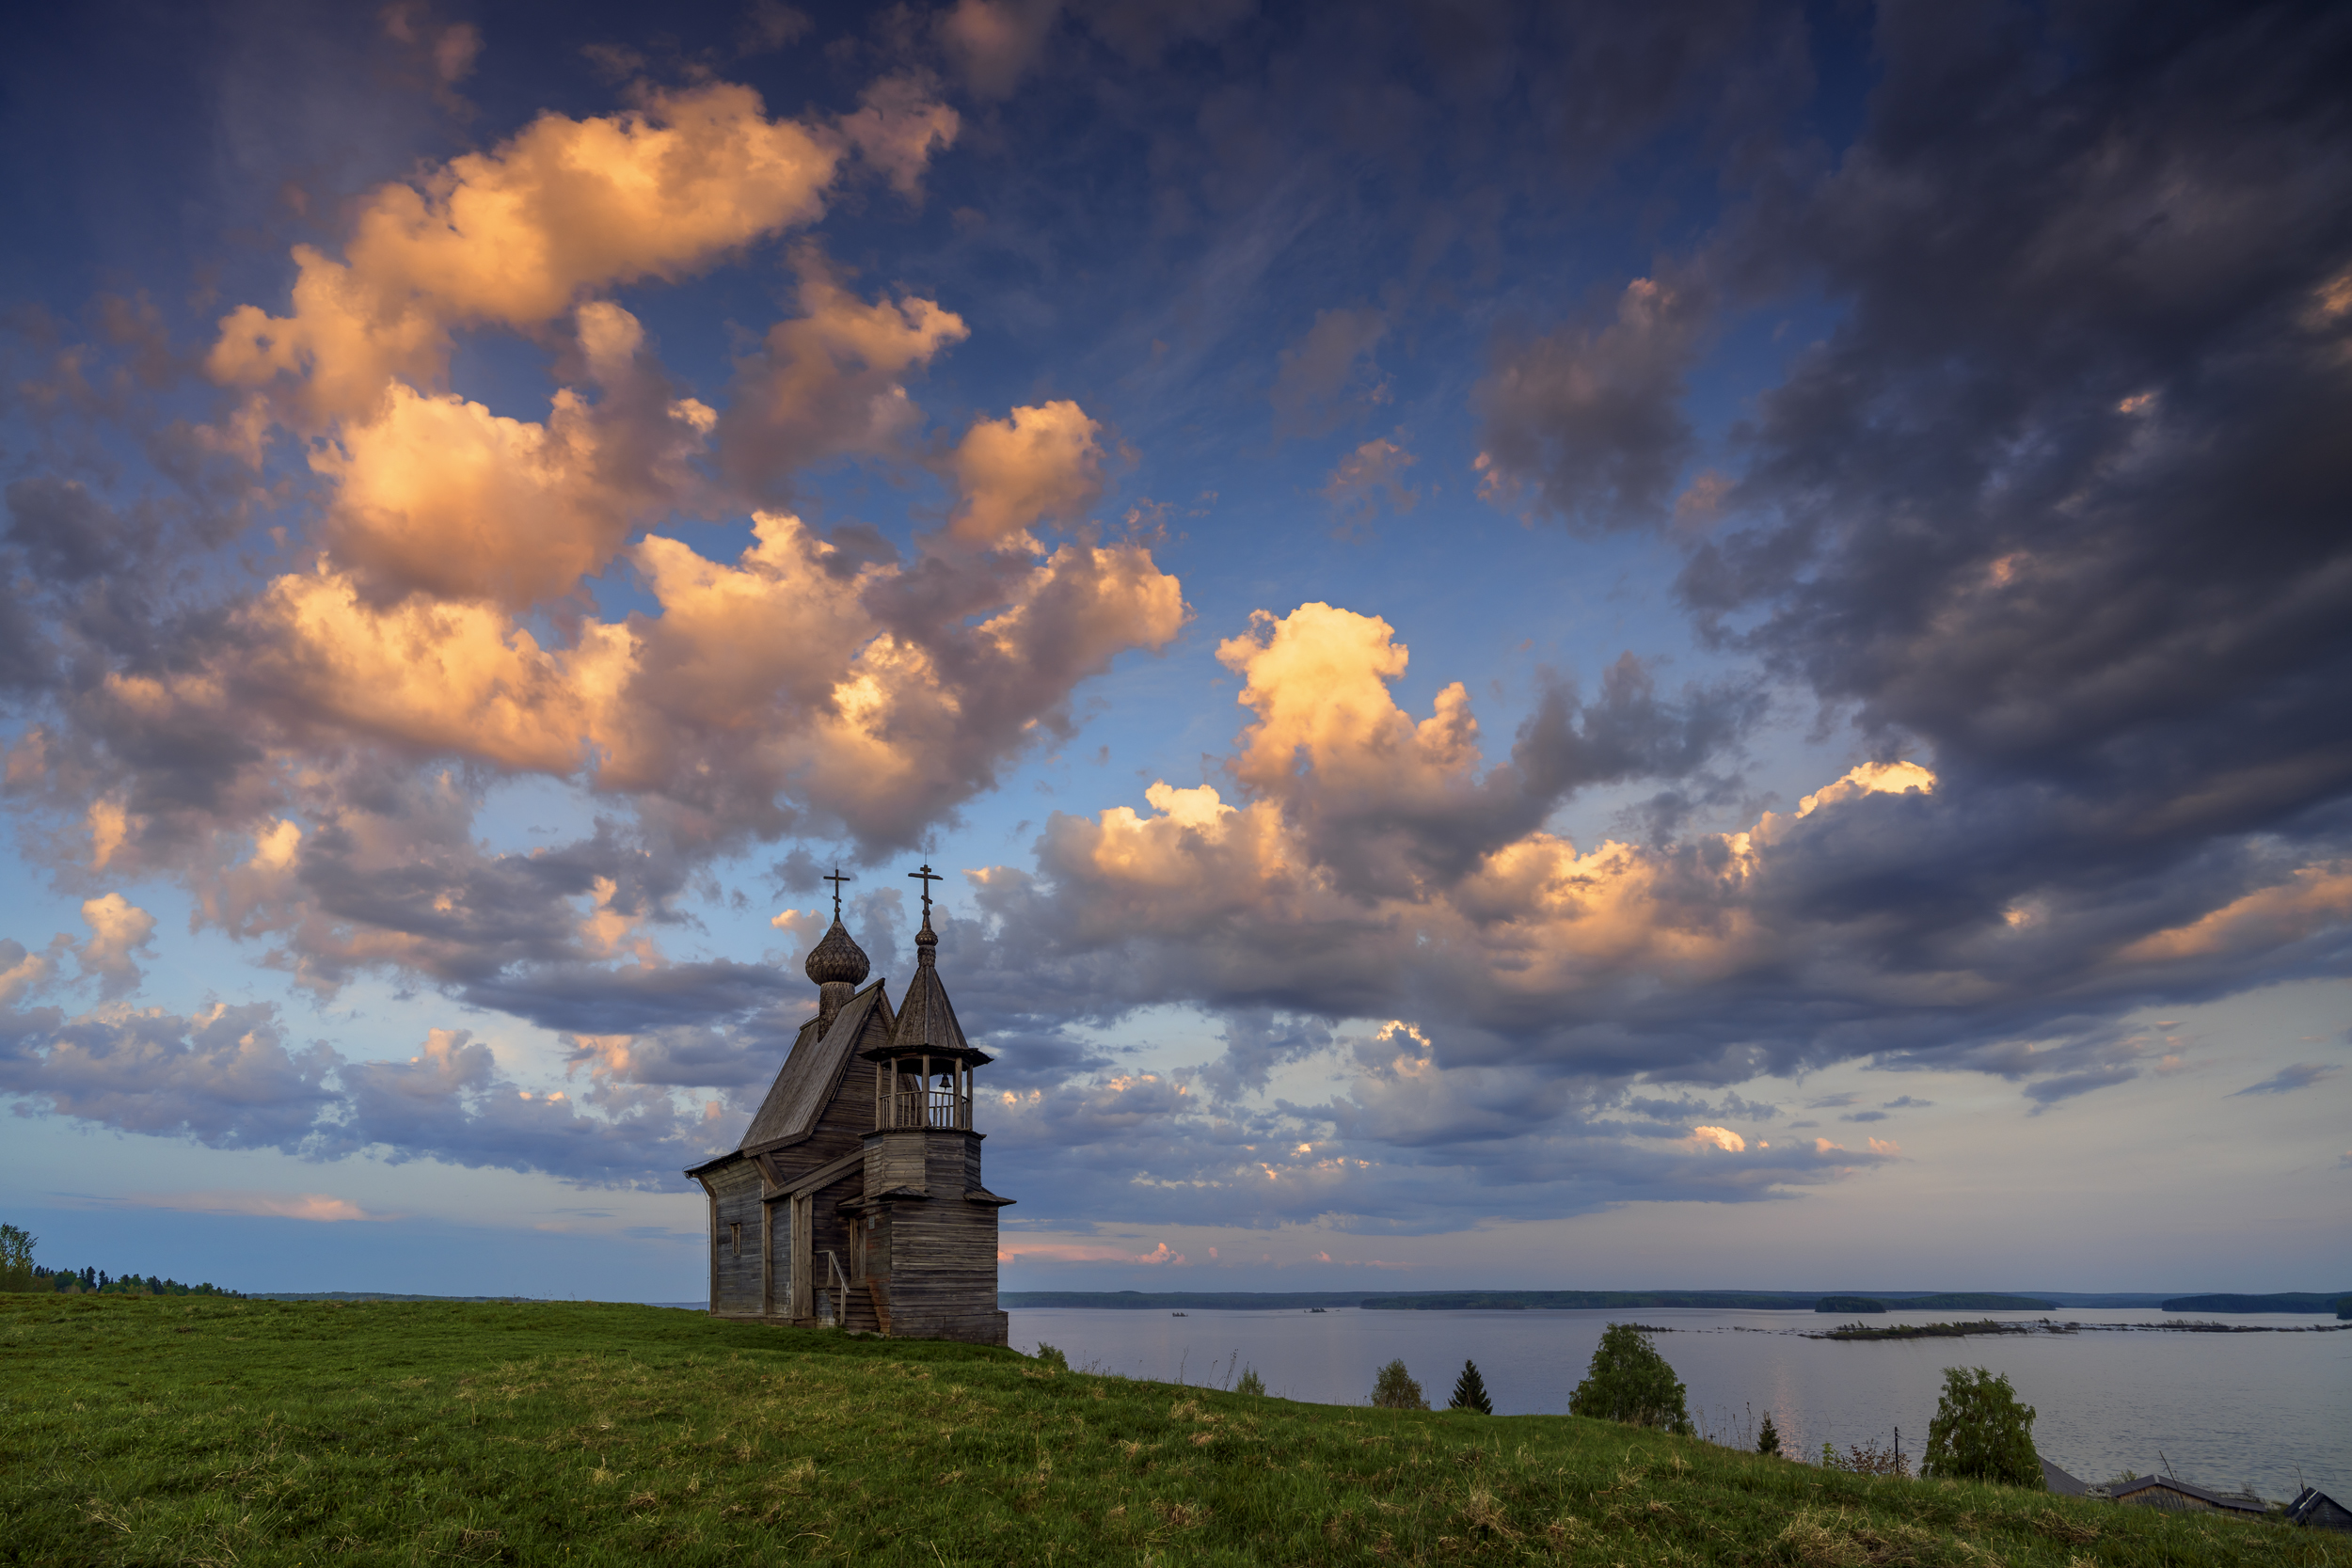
(736, 1186)
(895, 1158)
(777, 1295)
(942, 1265)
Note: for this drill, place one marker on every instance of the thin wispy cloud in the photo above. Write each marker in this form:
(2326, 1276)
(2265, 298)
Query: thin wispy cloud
(2287, 1080)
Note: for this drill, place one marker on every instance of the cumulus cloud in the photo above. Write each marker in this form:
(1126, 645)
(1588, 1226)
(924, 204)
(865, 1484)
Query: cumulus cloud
(306, 757)
(1036, 465)
(22, 972)
(118, 928)
(1586, 423)
(439, 494)
(1358, 862)
(831, 382)
(898, 126)
(224, 1077)
(512, 237)
(1367, 476)
(227, 1077)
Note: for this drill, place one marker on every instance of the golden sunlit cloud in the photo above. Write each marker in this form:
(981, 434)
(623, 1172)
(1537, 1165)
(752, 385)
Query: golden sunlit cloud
(2314, 898)
(513, 236)
(1039, 464)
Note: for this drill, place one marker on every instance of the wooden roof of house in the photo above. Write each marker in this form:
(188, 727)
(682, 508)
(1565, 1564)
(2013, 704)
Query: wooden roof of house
(809, 1078)
(2319, 1511)
(2056, 1480)
(2165, 1492)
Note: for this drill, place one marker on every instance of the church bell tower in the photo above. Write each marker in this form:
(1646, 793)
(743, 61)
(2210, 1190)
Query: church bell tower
(926, 1253)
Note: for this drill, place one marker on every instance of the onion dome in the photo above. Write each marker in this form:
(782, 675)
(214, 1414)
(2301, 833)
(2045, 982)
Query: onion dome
(837, 960)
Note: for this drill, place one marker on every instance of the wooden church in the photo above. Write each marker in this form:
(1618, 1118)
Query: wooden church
(855, 1198)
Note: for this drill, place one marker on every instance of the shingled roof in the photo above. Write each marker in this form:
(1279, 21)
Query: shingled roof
(802, 1089)
(927, 1023)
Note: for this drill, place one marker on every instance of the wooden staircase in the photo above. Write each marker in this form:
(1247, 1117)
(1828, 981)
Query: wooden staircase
(862, 1308)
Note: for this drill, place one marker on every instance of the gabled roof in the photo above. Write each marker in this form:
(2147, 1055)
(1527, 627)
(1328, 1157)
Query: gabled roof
(2181, 1488)
(2316, 1508)
(2056, 1480)
(811, 1074)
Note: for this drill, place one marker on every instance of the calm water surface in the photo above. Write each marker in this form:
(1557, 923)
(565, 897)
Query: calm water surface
(2224, 1409)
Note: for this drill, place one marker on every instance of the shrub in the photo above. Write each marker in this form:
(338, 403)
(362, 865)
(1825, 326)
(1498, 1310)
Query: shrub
(1250, 1382)
(1053, 1358)
(1866, 1459)
(1768, 1438)
(1394, 1389)
(1629, 1382)
(1470, 1391)
(1980, 1432)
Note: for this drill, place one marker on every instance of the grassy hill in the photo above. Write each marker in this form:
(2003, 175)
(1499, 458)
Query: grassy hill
(153, 1430)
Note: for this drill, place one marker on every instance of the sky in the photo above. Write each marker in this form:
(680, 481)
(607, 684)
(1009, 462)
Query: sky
(1700, 644)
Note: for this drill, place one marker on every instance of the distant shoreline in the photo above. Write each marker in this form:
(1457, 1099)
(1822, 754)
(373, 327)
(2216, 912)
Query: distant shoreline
(2314, 1302)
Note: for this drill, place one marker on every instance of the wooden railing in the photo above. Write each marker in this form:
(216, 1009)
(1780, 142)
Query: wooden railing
(930, 1107)
(834, 1313)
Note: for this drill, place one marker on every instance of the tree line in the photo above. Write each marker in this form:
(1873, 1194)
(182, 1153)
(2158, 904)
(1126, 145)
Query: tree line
(1980, 1432)
(21, 1274)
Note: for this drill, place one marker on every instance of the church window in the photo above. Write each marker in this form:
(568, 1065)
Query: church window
(736, 1237)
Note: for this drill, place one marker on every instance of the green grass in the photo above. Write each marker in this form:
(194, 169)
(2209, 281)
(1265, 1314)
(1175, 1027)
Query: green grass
(170, 1430)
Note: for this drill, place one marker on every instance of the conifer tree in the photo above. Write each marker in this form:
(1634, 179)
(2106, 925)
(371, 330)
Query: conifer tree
(1767, 1439)
(1470, 1391)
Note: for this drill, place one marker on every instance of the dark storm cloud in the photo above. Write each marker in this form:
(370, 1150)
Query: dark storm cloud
(2063, 495)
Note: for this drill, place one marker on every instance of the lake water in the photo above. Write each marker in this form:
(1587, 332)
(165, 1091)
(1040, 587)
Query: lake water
(2223, 1409)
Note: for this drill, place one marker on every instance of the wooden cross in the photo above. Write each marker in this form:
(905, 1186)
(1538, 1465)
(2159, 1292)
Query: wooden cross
(837, 879)
(926, 876)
